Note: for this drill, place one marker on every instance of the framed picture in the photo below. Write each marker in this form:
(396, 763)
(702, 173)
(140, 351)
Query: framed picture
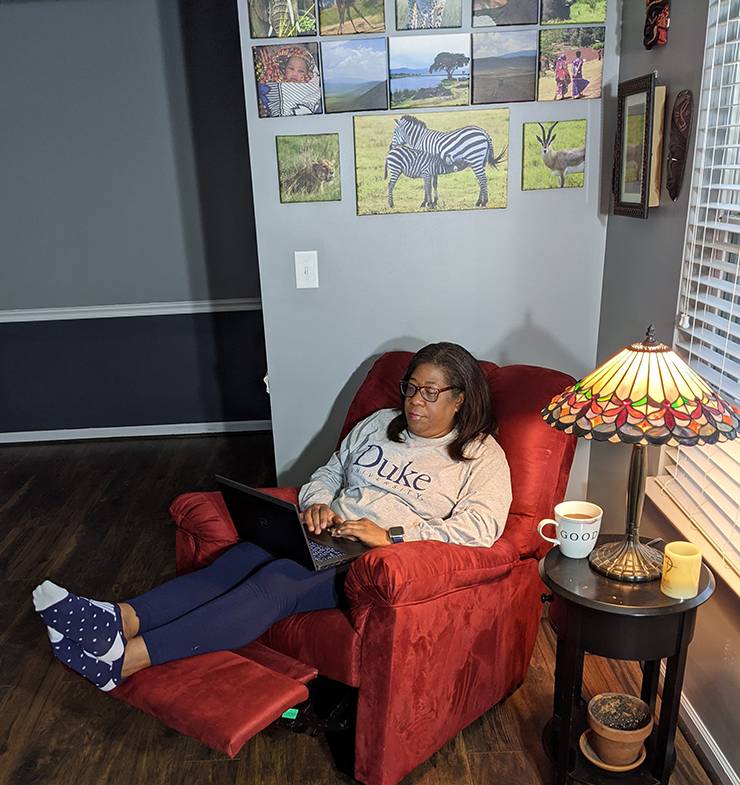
(633, 146)
(308, 168)
(571, 63)
(429, 70)
(431, 161)
(286, 19)
(487, 13)
(504, 66)
(553, 155)
(355, 74)
(564, 12)
(345, 17)
(287, 77)
(428, 14)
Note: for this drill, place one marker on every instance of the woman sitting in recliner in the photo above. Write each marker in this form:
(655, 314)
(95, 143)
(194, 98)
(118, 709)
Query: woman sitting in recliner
(431, 471)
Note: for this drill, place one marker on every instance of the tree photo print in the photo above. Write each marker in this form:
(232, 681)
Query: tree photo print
(431, 161)
(430, 70)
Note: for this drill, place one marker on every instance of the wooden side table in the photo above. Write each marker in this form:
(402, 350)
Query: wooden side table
(626, 621)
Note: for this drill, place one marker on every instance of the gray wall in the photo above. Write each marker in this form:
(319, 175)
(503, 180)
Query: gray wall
(641, 278)
(516, 285)
(642, 265)
(125, 179)
(122, 190)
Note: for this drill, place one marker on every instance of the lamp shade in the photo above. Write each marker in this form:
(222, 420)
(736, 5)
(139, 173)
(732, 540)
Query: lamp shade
(644, 394)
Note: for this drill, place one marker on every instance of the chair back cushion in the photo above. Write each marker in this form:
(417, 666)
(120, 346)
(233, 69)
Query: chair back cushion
(539, 456)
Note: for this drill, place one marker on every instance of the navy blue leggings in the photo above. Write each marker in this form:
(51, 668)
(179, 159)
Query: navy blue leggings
(230, 603)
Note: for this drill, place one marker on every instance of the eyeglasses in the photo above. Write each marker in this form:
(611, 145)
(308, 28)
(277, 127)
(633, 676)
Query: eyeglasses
(430, 394)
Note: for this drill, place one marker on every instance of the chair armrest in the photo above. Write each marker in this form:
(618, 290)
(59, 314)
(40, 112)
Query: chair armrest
(204, 529)
(419, 571)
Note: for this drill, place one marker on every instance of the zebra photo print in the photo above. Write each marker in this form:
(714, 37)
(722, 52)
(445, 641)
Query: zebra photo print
(440, 161)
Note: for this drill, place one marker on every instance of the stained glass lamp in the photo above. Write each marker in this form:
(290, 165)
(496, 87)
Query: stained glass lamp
(645, 394)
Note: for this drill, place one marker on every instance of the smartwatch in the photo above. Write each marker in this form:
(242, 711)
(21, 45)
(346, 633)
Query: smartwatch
(396, 534)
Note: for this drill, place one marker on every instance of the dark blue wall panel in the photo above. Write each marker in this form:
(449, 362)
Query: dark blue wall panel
(92, 373)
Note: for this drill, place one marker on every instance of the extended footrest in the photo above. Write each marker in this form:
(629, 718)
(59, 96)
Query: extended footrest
(221, 699)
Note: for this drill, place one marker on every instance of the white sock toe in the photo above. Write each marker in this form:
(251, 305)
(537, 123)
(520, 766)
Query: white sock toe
(115, 652)
(54, 636)
(47, 594)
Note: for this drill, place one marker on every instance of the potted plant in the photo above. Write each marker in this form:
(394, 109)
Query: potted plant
(620, 724)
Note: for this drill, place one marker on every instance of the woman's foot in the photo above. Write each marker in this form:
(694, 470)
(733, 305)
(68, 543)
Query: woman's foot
(96, 626)
(105, 676)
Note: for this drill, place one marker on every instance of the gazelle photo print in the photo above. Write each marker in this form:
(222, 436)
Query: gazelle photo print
(415, 163)
(553, 155)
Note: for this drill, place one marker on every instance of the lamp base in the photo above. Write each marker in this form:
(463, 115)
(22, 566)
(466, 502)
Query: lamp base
(627, 561)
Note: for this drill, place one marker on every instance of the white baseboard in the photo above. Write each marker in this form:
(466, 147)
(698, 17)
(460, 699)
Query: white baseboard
(130, 309)
(716, 759)
(129, 431)
(714, 755)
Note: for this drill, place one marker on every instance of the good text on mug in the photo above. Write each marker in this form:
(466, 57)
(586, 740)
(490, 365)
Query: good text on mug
(575, 537)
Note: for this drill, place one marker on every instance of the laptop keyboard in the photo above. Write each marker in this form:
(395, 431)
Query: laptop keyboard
(322, 552)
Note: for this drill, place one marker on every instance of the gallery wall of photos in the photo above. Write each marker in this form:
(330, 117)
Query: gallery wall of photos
(519, 50)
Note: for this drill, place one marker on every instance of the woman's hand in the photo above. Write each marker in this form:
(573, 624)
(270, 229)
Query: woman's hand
(363, 530)
(318, 517)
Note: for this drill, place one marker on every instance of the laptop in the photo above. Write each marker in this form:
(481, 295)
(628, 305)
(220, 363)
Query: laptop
(275, 525)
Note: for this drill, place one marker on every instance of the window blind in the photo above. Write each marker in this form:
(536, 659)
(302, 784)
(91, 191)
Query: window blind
(705, 481)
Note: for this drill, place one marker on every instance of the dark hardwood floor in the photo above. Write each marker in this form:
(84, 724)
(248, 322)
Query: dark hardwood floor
(93, 517)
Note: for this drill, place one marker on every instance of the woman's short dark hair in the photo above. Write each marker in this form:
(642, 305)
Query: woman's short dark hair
(474, 420)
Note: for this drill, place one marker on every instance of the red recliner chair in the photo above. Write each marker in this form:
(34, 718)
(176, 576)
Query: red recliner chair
(435, 634)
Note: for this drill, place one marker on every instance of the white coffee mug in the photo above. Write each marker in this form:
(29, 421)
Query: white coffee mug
(577, 527)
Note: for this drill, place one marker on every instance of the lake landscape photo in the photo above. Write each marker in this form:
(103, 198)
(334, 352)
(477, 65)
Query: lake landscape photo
(430, 71)
(355, 75)
(504, 66)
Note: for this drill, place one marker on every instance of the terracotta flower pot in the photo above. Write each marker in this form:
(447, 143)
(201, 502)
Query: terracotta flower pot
(620, 724)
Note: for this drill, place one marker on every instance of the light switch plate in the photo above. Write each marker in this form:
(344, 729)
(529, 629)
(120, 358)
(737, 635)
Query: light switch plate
(307, 269)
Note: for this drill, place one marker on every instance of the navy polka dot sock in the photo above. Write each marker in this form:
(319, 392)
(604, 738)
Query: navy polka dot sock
(96, 626)
(105, 676)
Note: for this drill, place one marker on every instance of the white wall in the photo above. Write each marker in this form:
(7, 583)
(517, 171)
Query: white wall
(519, 285)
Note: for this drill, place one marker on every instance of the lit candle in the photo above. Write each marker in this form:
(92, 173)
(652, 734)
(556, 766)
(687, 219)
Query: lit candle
(681, 568)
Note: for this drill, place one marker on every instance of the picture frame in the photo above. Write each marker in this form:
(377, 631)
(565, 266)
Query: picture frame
(633, 148)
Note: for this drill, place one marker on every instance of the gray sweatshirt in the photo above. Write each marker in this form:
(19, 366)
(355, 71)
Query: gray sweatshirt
(415, 484)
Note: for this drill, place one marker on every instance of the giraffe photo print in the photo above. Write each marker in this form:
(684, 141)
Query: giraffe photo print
(428, 14)
(346, 17)
(282, 18)
(416, 163)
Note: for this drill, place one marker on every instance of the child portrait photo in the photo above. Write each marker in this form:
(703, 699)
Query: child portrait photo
(282, 18)
(571, 63)
(504, 66)
(308, 168)
(345, 17)
(553, 155)
(355, 74)
(487, 13)
(428, 14)
(429, 70)
(287, 77)
(558, 12)
(426, 162)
